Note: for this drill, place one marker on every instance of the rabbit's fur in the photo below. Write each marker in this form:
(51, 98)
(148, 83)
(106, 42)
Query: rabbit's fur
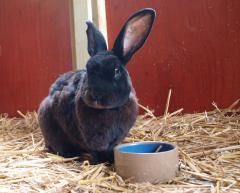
(88, 112)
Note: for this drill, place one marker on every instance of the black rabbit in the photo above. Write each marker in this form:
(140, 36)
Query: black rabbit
(88, 112)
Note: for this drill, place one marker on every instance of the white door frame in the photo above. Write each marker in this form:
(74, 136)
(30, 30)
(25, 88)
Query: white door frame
(82, 11)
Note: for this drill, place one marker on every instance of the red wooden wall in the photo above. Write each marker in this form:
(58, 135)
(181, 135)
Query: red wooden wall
(35, 46)
(194, 49)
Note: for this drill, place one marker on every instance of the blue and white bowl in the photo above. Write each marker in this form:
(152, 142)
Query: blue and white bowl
(140, 162)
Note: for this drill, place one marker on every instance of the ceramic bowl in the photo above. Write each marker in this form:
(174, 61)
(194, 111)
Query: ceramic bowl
(153, 162)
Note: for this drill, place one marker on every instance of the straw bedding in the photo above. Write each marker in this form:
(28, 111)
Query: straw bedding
(209, 148)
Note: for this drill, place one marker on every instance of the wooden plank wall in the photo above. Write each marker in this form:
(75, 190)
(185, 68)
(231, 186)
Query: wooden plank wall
(35, 47)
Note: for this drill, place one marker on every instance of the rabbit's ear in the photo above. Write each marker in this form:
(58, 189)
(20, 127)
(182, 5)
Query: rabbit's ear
(96, 41)
(133, 34)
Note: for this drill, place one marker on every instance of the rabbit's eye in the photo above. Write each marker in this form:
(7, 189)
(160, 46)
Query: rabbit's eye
(116, 72)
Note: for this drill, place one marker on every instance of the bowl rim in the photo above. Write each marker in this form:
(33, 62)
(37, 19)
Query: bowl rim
(117, 148)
